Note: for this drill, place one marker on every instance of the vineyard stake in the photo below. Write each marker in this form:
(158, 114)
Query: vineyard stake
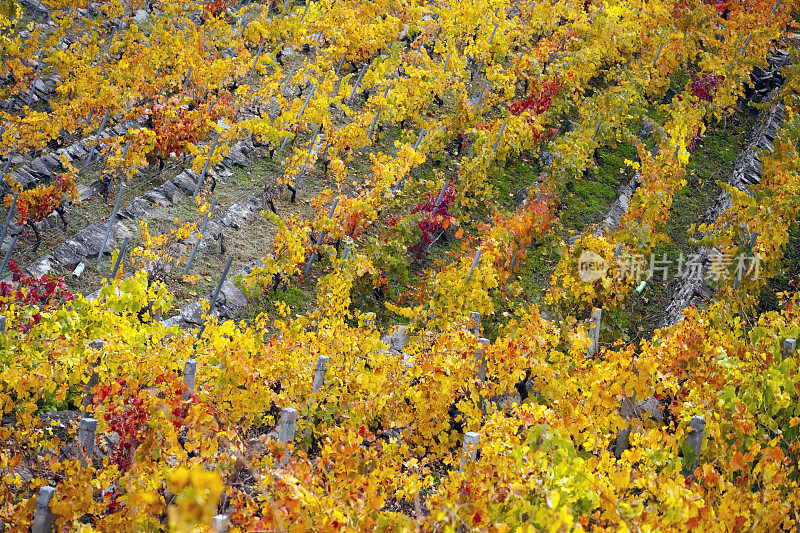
(469, 449)
(86, 436)
(119, 258)
(189, 377)
(480, 360)
(9, 215)
(188, 79)
(341, 62)
(33, 83)
(289, 78)
(594, 333)
(43, 519)
(789, 347)
(110, 223)
(286, 429)
(319, 373)
(474, 264)
(197, 243)
(658, 54)
(353, 91)
(8, 254)
(205, 167)
(475, 318)
(220, 522)
(97, 138)
(499, 136)
(255, 63)
(694, 440)
(746, 42)
(308, 99)
(216, 293)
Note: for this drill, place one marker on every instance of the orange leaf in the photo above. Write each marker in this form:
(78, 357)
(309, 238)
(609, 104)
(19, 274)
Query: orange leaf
(737, 461)
(460, 233)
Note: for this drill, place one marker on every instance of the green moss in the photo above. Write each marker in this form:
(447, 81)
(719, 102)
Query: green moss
(590, 197)
(509, 179)
(786, 279)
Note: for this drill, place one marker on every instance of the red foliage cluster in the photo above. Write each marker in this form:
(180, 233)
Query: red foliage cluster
(177, 125)
(129, 419)
(436, 215)
(40, 294)
(216, 7)
(34, 205)
(538, 100)
(704, 86)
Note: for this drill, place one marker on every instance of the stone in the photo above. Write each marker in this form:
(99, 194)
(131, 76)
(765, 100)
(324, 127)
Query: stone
(169, 191)
(137, 209)
(398, 339)
(646, 129)
(140, 17)
(653, 406)
(185, 182)
(172, 322)
(546, 158)
(157, 198)
(220, 523)
(193, 313)
(234, 300)
(66, 255)
(236, 216)
(38, 169)
(236, 157)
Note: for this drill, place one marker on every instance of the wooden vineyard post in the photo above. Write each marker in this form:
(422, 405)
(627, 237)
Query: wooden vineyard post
(594, 333)
(789, 348)
(220, 523)
(43, 519)
(119, 258)
(286, 425)
(694, 441)
(475, 320)
(189, 377)
(10, 213)
(469, 449)
(319, 373)
(86, 438)
(94, 146)
(286, 429)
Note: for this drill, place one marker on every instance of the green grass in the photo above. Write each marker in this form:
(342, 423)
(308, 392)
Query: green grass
(591, 196)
